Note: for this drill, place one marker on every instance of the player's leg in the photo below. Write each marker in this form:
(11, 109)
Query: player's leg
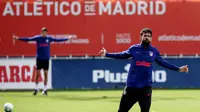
(45, 82)
(129, 98)
(38, 68)
(36, 78)
(46, 68)
(145, 99)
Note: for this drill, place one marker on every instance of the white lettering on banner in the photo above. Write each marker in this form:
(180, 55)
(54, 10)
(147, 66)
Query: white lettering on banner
(179, 38)
(162, 5)
(151, 9)
(62, 8)
(78, 6)
(142, 7)
(65, 8)
(18, 4)
(26, 13)
(159, 76)
(123, 38)
(37, 7)
(97, 74)
(130, 5)
(79, 41)
(118, 9)
(109, 77)
(56, 9)
(20, 74)
(106, 8)
(90, 8)
(59, 8)
(8, 10)
(72, 41)
(48, 5)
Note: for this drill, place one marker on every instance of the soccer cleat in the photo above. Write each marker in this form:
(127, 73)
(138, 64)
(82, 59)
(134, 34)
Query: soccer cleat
(35, 92)
(44, 93)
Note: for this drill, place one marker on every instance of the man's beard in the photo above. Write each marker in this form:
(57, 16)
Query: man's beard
(145, 43)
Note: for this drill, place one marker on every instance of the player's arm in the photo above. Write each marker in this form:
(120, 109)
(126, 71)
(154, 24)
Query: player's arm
(162, 62)
(121, 55)
(25, 39)
(62, 39)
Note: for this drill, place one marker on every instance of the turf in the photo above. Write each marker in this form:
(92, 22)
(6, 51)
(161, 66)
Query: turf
(99, 101)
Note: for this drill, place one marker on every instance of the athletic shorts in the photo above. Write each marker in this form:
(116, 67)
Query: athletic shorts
(42, 64)
(131, 96)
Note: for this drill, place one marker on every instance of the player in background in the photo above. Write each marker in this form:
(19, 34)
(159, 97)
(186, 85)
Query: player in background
(43, 55)
(139, 82)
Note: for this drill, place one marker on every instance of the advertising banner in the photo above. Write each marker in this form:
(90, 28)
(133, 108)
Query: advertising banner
(20, 74)
(113, 24)
(110, 73)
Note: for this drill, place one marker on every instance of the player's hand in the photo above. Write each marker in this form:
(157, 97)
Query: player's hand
(15, 37)
(72, 36)
(103, 52)
(184, 68)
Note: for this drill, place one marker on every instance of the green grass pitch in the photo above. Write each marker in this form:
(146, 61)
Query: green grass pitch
(99, 101)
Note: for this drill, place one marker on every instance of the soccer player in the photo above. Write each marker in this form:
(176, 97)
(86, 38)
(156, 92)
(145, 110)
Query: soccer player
(43, 55)
(139, 82)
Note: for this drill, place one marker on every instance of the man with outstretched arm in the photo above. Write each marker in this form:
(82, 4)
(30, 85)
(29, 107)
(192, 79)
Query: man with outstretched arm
(139, 82)
(43, 55)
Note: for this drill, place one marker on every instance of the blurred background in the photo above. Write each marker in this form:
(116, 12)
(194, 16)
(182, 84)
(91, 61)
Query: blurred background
(77, 73)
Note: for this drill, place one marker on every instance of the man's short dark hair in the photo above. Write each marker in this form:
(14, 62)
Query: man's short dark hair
(145, 30)
(44, 29)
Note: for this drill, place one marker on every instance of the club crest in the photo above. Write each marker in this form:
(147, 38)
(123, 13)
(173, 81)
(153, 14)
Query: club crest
(150, 53)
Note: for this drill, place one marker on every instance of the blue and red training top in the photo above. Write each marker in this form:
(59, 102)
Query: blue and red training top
(140, 72)
(43, 45)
